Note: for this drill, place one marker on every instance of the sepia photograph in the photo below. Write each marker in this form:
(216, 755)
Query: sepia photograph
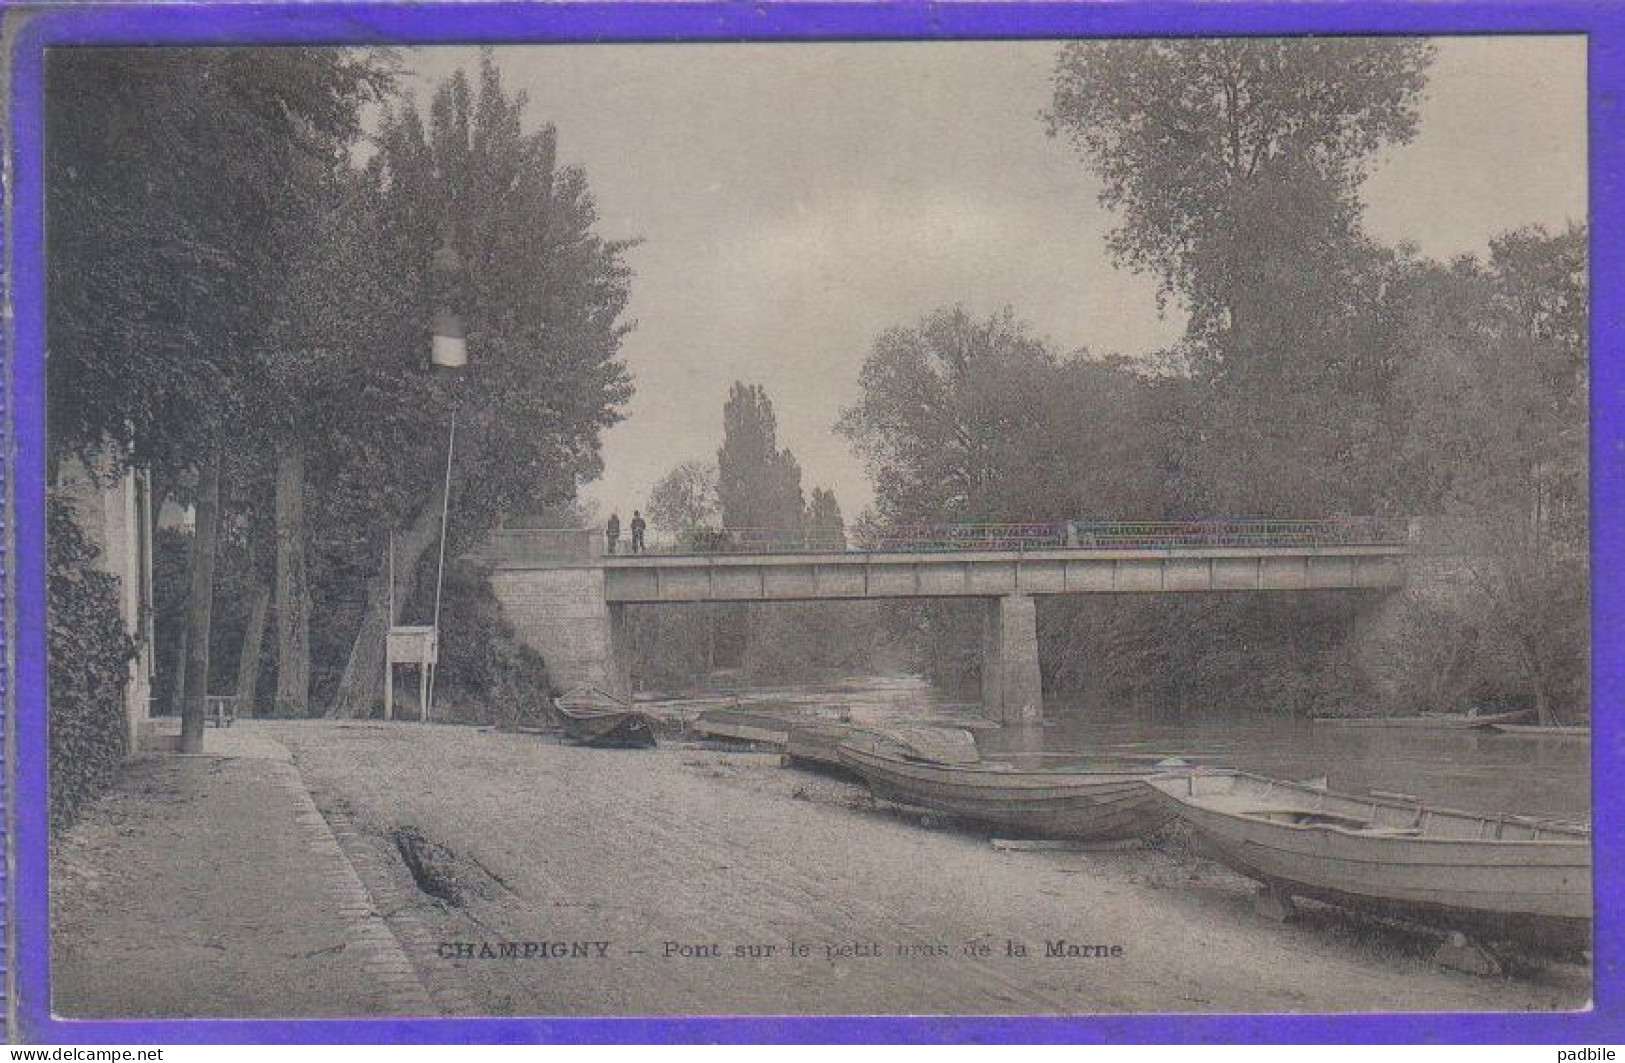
(1071, 527)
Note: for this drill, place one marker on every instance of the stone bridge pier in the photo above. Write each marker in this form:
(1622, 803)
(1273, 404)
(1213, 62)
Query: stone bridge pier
(562, 614)
(1012, 691)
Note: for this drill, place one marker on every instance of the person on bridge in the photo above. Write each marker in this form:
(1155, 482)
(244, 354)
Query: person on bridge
(612, 532)
(637, 532)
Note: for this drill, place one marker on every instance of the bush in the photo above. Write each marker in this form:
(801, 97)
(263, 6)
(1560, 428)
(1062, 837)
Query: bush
(795, 642)
(1449, 655)
(88, 659)
(674, 647)
(707, 541)
(486, 674)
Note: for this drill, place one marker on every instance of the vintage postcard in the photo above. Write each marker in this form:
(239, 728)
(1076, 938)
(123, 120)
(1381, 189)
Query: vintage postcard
(1078, 525)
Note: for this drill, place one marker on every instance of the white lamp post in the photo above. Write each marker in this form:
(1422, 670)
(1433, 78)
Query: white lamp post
(448, 351)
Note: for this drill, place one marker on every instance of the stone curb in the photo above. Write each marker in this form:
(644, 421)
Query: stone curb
(376, 863)
(367, 936)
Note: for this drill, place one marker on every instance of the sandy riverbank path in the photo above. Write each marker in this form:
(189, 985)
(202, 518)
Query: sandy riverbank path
(700, 869)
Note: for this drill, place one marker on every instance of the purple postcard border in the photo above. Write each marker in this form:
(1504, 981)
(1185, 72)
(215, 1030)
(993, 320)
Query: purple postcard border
(27, 901)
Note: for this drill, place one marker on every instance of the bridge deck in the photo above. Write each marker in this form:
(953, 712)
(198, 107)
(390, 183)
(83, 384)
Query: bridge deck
(568, 600)
(992, 573)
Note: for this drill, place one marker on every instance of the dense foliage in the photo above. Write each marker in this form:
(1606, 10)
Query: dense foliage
(756, 485)
(242, 294)
(1235, 165)
(89, 655)
(977, 420)
(180, 186)
(1320, 374)
(485, 674)
(177, 194)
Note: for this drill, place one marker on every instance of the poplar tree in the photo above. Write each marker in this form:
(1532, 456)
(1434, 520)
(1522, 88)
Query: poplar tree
(542, 294)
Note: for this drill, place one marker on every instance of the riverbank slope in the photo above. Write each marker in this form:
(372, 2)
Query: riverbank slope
(723, 883)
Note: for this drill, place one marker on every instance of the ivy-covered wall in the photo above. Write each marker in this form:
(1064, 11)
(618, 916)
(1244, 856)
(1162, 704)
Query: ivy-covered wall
(89, 655)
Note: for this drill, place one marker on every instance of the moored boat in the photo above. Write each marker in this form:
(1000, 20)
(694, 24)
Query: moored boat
(1512, 877)
(1440, 721)
(818, 744)
(742, 725)
(591, 717)
(1536, 731)
(1100, 805)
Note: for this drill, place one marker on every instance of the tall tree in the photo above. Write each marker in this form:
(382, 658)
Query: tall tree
(1230, 161)
(174, 181)
(758, 485)
(825, 525)
(543, 296)
(1495, 437)
(685, 499)
(965, 419)
(292, 586)
(172, 178)
(1235, 168)
(200, 607)
(977, 420)
(329, 385)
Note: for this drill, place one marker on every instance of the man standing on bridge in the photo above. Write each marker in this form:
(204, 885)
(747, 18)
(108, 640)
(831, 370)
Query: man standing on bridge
(612, 532)
(637, 532)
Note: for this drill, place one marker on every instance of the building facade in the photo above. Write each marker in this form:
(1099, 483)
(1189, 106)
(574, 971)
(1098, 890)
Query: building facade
(113, 506)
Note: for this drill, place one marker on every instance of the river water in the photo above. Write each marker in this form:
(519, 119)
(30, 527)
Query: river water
(1470, 770)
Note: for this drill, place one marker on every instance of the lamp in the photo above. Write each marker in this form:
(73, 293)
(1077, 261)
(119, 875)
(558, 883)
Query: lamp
(448, 349)
(449, 346)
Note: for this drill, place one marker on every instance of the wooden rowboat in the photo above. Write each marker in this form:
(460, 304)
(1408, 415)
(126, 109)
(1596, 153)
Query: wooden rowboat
(742, 725)
(1534, 731)
(1092, 805)
(1435, 722)
(591, 717)
(818, 744)
(1501, 877)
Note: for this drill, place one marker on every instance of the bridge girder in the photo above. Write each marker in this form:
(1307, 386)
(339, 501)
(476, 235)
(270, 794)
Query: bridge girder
(825, 577)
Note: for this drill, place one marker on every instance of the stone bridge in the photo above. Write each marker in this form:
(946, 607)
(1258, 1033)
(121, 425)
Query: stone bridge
(568, 599)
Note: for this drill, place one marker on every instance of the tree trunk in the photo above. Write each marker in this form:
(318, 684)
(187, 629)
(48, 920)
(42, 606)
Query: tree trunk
(1543, 707)
(292, 591)
(1535, 666)
(248, 665)
(199, 607)
(177, 689)
(363, 679)
(1544, 714)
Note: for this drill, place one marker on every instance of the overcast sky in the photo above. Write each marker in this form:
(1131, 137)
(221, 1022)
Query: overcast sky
(796, 200)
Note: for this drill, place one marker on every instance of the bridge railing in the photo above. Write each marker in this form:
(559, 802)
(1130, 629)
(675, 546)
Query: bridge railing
(1031, 536)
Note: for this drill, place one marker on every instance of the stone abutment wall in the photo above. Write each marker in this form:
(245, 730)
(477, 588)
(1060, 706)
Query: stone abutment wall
(561, 613)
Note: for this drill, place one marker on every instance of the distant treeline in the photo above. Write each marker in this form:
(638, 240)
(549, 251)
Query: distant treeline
(1320, 374)
(754, 484)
